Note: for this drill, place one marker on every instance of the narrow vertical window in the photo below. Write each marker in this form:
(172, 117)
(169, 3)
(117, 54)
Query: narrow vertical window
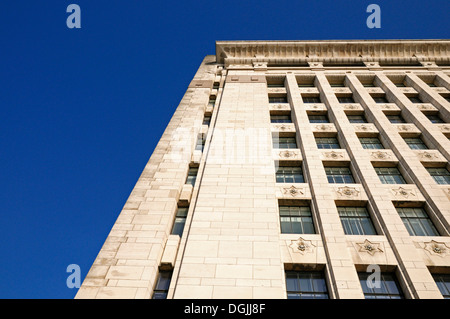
(162, 285)
(192, 175)
(180, 221)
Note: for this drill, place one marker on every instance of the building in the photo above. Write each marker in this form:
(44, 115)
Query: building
(294, 169)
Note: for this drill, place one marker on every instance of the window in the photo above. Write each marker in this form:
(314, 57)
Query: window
(443, 283)
(327, 142)
(180, 220)
(311, 99)
(415, 99)
(289, 174)
(284, 142)
(446, 97)
(206, 120)
(380, 99)
(162, 285)
(431, 84)
(389, 287)
(415, 143)
(337, 85)
(345, 99)
(212, 102)
(368, 85)
(371, 143)
(280, 119)
(306, 85)
(275, 85)
(201, 139)
(192, 175)
(339, 175)
(216, 85)
(400, 84)
(356, 118)
(434, 118)
(318, 119)
(417, 221)
(390, 175)
(281, 99)
(306, 285)
(440, 174)
(395, 118)
(356, 221)
(296, 220)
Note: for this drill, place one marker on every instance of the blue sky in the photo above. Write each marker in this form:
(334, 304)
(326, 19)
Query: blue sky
(82, 109)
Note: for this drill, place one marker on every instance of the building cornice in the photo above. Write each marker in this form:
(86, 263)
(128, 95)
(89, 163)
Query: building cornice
(333, 51)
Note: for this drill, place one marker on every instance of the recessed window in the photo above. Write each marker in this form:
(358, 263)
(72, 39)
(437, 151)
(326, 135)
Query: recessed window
(356, 118)
(306, 85)
(296, 220)
(415, 99)
(431, 84)
(380, 99)
(212, 101)
(417, 221)
(216, 85)
(434, 118)
(356, 221)
(395, 118)
(311, 99)
(284, 142)
(206, 120)
(386, 288)
(289, 174)
(339, 175)
(443, 283)
(446, 97)
(440, 174)
(201, 139)
(180, 221)
(278, 99)
(390, 175)
(415, 143)
(275, 85)
(337, 85)
(327, 143)
(371, 143)
(162, 285)
(306, 285)
(192, 175)
(369, 85)
(280, 118)
(345, 99)
(318, 119)
(400, 84)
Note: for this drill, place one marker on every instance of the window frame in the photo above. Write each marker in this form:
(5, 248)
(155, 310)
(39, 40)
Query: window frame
(336, 177)
(416, 146)
(179, 221)
(356, 220)
(415, 223)
(314, 279)
(330, 144)
(361, 139)
(397, 176)
(443, 284)
(441, 179)
(282, 172)
(284, 145)
(162, 284)
(296, 219)
(388, 293)
(191, 178)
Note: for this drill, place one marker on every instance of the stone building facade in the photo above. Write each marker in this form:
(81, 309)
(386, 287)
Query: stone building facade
(290, 163)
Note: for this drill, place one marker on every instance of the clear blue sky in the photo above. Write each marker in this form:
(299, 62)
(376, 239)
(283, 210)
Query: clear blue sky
(82, 109)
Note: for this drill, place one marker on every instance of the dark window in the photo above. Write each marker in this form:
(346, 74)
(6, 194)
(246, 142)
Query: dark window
(296, 220)
(356, 221)
(327, 142)
(180, 220)
(431, 85)
(275, 85)
(306, 285)
(216, 85)
(400, 84)
(284, 142)
(337, 85)
(434, 118)
(415, 99)
(443, 283)
(201, 139)
(162, 285)
(415, 143)
(446, 97)
(368, 85)
(356, 118)
(380, 99)
(371, 143)
(306, 85)
(345, 99)
(417, 221)
(318, 119)
(395, 118)
(212, 102)
(289, 174)
(440, 174)
(206, 119)
(192, 175)
(311, 99)
(281, 99)
(280, 119)
(387, 288)
(390, 175)
(339, 175)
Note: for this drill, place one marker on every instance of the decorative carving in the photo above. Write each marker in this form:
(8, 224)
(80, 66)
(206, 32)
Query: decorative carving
(323, 127)
(302, 246)
(403, 192)
(293, 191)
(369, 247)
(287, 154)
(444, 127)
(334, 155)
(428, 155)
(380, 155)
(437, 248)
(348, 192)
(404, 127)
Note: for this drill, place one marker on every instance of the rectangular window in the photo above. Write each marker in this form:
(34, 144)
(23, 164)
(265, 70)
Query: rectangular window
(327, 143)
(201, 139)
(306, 285)
(180, 221)
(280, 99)
(280, 119)
(395, 119)
(311, 99)
(380, 99)
(212, 102)
(387, 288)
(206, 120)
(345, 99)
(440, 174)
(318, 119)
(371, 143)
(417, 221)
(306, 85)
(289, 174)
(296, 220)
(390, 175)
(284, 142)
(192, 175)
(415, 143)
(356, 221)
(443, 283)
(434, 118)
(162, 285)
(337, 85)
(415, 99)
(431, 84)
(275, 85)
(216, 85)
(339, 175)
(356, 118)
